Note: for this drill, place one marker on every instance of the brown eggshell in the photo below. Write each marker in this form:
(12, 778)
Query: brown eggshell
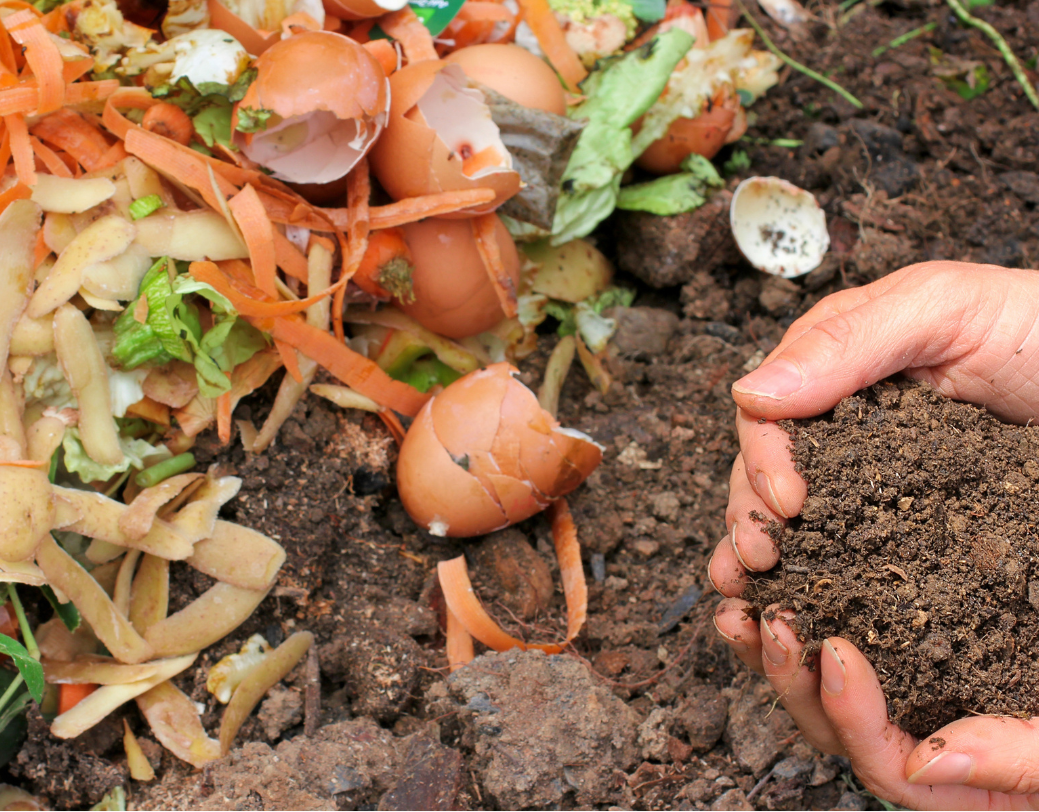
(434, 488)
(361, 9)
(515, 73)
(331, 97)
(704, 135)
(512, 452)
(411, 160)
(453, 293)
(318, 70)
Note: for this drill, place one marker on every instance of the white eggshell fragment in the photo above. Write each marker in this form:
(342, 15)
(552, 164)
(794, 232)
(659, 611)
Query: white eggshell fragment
(778, 227)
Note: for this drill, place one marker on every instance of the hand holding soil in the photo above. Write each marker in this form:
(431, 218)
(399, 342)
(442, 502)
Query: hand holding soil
(968, 330)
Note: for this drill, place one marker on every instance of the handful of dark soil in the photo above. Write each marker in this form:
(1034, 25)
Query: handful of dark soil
(918, 542)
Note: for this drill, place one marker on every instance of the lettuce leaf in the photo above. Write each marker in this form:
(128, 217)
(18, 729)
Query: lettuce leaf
(673, 194)
(173, 329)
(134, 453)
(618, 94)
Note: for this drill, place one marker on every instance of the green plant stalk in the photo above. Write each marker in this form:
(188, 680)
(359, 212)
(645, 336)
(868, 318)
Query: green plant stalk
(1001, 45)
(793, 63)
(10, 692)
(23, 623)
(902, 40)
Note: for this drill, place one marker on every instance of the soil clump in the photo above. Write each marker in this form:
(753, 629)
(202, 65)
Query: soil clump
(917, 543)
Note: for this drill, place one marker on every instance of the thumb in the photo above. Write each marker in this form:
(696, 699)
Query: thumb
(838, 356)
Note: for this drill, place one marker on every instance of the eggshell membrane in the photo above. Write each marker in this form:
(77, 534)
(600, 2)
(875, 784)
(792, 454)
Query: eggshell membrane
(524, 463)
(410, 159)
(361, 9)
(433, 487)
(515, 73)
(453, 293)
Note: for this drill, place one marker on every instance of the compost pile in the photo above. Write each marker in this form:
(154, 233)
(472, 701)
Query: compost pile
(917, 543)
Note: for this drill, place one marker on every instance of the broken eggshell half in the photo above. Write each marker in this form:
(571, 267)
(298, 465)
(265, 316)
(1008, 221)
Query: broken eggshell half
(328, 98)
(778, 227)
(483, 454)
(362, 9)
(440, 138)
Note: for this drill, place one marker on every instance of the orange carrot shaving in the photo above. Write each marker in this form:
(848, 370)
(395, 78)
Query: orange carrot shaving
(481, 10)
(383, 247)
(69, 131)
(175, 161)
(351, 368)
(170, 121)
(721, 16)
(246, 299)
(289, 258)
(42, 56)
(17, 192)
(40, 252)
(384, 52)
(223, 19)
(542, 21)
(299, 22)
(224, 408)
(413, 209)
(484, 228)
(462, 601)
(81, 92)
(75, 68)
(405, 27)
(392, 422)
(49, 158)
(290, 360)
(21, 149)
(7, 59)
(113, 155)
(71, 694)
(358, 190)
(258, 233)
(459, 643)
(135, 98)
(25, 463)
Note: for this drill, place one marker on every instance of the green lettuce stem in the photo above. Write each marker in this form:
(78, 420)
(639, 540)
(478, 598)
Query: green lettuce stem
(165, 469)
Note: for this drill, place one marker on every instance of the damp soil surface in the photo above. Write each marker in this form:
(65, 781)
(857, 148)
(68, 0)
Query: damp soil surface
(918, 543)
(649, 711)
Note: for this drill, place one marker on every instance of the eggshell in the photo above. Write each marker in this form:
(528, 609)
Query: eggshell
(436, 491)
(417, 156)
(332, 97)
(515, 73)
(487, 428)
(453, 293)
(361, 9)
(705, 135)
(780, 228)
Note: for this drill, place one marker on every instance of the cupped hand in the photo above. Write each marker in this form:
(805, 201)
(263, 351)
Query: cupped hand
(971, 332)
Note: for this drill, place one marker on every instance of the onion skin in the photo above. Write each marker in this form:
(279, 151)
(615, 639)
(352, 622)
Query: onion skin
(453, 292)
(483, 454)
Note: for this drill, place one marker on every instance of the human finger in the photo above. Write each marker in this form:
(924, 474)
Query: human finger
(765, 448)
(738, 627)
(725, 570)
(879, 750)
(747, 517)
(1000, 754)
(796, 682)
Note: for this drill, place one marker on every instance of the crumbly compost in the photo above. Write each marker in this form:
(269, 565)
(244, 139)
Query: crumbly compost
(918, 543)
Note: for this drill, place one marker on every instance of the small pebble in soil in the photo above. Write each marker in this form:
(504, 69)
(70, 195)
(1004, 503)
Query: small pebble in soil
(917, 543)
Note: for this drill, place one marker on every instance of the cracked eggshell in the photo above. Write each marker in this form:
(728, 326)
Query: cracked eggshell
(331, 99)
(515, 73)
(778, 227)
(440, 138)
(483, 454)
(361, 9)
(453, 291)
(724, 123)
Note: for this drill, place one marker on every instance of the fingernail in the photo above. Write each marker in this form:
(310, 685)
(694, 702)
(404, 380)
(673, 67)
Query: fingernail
(776, 380)
(763, 485)
(735, 546)
(739, 645)
(945, 768)
(834, 673)
(770, 645)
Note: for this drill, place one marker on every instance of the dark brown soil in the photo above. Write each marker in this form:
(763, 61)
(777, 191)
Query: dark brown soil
(918, 174)
(918, 543)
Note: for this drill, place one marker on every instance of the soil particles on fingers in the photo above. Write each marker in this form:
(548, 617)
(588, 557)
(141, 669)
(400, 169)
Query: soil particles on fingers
(918, 543)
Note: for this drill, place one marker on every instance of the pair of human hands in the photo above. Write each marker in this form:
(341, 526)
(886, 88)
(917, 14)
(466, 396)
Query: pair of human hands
(972, 332)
